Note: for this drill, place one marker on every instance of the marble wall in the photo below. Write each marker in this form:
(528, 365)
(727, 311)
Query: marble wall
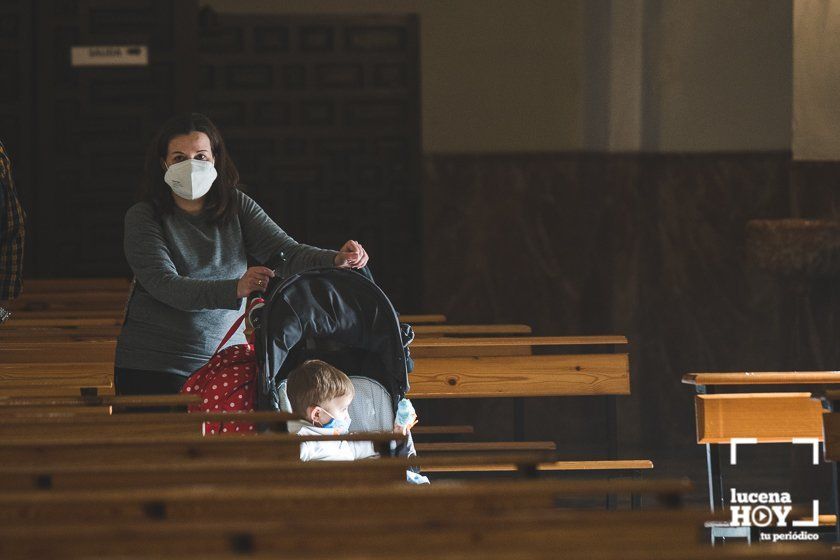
(649, 246)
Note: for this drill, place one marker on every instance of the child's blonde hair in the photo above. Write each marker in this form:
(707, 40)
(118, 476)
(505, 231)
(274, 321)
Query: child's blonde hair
(315, 382)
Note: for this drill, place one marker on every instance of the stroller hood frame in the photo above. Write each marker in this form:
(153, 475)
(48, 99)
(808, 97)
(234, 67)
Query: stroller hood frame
(336, 306)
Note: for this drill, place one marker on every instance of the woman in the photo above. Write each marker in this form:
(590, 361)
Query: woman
(188, 242)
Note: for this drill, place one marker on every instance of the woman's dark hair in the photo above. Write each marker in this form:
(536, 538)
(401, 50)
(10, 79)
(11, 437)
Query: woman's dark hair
(221, 199)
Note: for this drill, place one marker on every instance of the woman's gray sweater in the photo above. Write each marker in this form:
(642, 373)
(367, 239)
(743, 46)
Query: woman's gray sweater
(186, 271)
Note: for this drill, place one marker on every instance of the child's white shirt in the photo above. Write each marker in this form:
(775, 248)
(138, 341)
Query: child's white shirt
(329, 450)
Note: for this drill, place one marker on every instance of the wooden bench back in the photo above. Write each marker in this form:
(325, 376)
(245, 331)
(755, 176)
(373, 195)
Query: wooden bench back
(53, 379)
(58, 352)
(579, 534)
(93, 449)
(767, 417)
(831, 431)
(379, 501)
(75, 285)
(521, 376)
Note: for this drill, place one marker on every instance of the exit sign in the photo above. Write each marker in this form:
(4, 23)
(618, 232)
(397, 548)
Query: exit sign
(109, 55)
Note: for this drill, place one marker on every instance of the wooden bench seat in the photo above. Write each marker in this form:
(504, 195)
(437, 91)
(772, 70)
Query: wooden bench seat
(427, 318)
(422, 430)
(468, 330)
(68, 314)
(57, 352)
(257, 472)
(77, 301)
(572, 531)
(513, 534)
(63, 322)
(12, 332)
(479, 499)
(554, 466)
(95, 401)
(451, 346)
(137, 425)
(36, 389)
(45, 378)
(75, 285)
(93, 449)
(662, 550)
(486, 446)
(763, 378)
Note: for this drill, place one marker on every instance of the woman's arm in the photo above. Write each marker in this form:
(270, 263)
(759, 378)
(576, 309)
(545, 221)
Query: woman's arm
(264, 239)
(150, 259)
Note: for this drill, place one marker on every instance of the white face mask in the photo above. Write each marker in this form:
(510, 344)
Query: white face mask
(191, 179)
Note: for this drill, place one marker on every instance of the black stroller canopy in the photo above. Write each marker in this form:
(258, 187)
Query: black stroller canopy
(335, 315)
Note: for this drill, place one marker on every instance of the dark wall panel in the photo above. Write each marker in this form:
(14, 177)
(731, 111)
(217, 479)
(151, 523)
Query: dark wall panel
(93, 124)
(652, 247)
(321, 115)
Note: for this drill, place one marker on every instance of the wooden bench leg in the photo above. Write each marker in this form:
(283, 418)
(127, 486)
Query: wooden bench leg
(835, 484)
(636, 498)
(519, 419)
(612, 441)
(715, 477)
(714, 469)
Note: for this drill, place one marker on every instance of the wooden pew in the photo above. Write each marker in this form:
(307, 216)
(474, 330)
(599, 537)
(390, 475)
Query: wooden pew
(657, 550)
(47, 404)
(665, 552)
(66, 323)
(474, 346)
(12, 332)
(126, 426)
(477, 499)
(765, 417)
(257, 472)
(540, 531)
(56, 352)
(68, 314)
(521, 376)
(54, 379)
(75, 285)
(606, 374)
(45, 351)
(418, 319)
(93, 449)
(469, 330)
(76, 301)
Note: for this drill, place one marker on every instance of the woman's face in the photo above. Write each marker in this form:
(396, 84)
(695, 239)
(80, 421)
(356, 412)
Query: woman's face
(195, 145)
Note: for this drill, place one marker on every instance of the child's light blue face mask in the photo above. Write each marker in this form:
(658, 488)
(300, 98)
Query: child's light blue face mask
(338, 425)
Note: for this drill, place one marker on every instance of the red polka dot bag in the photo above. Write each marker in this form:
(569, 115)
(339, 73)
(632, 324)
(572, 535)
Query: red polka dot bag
(227, 383)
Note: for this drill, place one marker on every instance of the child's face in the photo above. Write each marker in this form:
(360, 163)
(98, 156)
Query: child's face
(334, 408)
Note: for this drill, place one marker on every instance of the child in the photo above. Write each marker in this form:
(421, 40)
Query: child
(321, 394)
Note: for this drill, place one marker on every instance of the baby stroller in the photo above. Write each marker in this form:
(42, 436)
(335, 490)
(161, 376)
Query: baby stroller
(343, 318)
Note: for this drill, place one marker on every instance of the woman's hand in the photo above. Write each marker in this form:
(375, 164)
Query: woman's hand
(351, 255)
(255, 279)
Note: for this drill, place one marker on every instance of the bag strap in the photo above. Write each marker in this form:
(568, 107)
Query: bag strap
(238, 323)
